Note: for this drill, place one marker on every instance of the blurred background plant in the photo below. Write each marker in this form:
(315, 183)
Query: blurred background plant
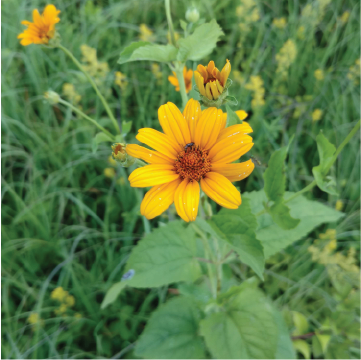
(69, 217)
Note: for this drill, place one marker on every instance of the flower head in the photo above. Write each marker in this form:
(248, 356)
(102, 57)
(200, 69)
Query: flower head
(211, 82)
(121, 80)
(145, 33)
(317, 115)
(319, 75)
(279, 23)
(187, 75)
(196, 150)
(42, 29)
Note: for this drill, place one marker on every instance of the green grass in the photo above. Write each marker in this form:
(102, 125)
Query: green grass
(65, 224)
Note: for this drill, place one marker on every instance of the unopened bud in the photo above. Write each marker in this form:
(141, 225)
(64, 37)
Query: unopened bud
(52, 97)
(192, 15)
(120, 155)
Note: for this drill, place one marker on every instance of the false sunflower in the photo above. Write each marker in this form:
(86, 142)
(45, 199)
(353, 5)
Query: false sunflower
(42, 29)
(187, 75)
(210, 81)
(196, 150)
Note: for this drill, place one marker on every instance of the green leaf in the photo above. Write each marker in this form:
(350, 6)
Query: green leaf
(201, 43)
(232, 117)
(143, 50)
(172, 332)
(326, 152)
(99, 138)
(281, 216)
(245, 329)
(113, 293)
(285, 348)
(272, 236)
(303, 348)
(301, 323)
(165, 256)
(126, 126)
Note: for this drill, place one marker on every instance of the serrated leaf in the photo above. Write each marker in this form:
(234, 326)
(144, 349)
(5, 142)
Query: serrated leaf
(272, 236)
(326, 151)
(201, 43)
(232, 117)
(165, 256)
(172, 332)
(143, 50)
(245, 329)
(281, 216)
(113, 293)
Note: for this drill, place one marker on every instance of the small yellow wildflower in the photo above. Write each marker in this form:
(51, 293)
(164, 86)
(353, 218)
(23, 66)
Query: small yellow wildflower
(344, 17)
(42, 29)
(187, 75)
(256, 86)
(112, 162)
(286, 56)
(59, 294)
(70, 93)
(301, 32)
(109, 172)
(279, 23)
(96, 69)
(210, 81)
(155, 69)
(317, 115)
(176, 37)
(248, 13)
(339, 205)
(319, 75)
(330, 234)
(77, 316)
(354, 72)
(34, 318)
(145, 33)
(238, 77)
(61, 310)
(121, 80)
(332, 245)
(69, 301)
(121, 181)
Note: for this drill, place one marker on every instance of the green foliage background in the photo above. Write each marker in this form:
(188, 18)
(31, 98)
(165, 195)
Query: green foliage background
(64, 223)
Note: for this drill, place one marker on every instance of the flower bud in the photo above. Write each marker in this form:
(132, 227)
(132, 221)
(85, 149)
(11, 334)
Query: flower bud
(52, 97)
(120, 155)
(192, 15)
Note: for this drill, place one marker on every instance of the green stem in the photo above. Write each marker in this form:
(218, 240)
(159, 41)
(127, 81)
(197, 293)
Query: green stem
(140, 163)
(95, 87)
(170, 22)
(79, 112)
(179, 72)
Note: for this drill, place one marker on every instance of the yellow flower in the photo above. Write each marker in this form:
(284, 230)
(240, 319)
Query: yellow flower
(339, 205)
(176, 37)
(286, 57)
(120, 80)
(33, 318)
(187, 75)
(42, 29)
(155, 69)
(301, 32)
(77, 316)
(354, 72)
(317, 115)
(344, 17)
(210, 81)
(279, 23)
(59, 294)
(96, 69)
(145, 33)
(319, 75)
(237, 75)
(256, 85)
(194, 148)
(70, 92)
(241, 114)
(69, 301)
(109, 172)
(111, 161)
(61, 310)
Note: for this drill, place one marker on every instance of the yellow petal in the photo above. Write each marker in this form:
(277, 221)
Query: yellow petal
(211, 66)
(202, 71)
(191, 200)
(225, 73)
(214, 89)
(192, 112)
(243, 128)
(152, 175)
(221, 190)
(159, 141)
(37, 18)
(179, 200)
(189, 74)
(230, 149)
(208, 128)
(234, 172)
(241, 114)
(219, 86)
(158, 199)
(150, 156)
(50, 15)
(200, 83)
(208, 91)
(173, 80)
(173, 124)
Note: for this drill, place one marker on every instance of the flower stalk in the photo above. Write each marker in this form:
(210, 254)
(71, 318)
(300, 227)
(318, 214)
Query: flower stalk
(182, 87)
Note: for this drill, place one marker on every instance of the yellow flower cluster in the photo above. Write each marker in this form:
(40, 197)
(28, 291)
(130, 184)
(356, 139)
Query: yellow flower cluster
(285, 57)
(157, 73)
(317, 115)
(33, 318)
(354, 72)
(256, 86)
(319, 75)
(110, 172)
(313, 13)
(70, 93)
(301, 105)
(121, 80)
(344, 17)
(336, 263)
(279, 23)
(145, 33)
(301, 32)
(238, 77)
(98, 70)
(66, 300)
(339, 205)
(247, 13)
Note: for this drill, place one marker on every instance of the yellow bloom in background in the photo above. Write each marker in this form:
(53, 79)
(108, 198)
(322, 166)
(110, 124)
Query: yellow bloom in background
(319, 75)
(339, 205)
(187, 75)
(109, 172)
(238, 77)
(59, 294)
(77, 316)
(210, 81)
(279, 23)
(98, 70)
(145, 33)
(70, 93)
(120, 80)
(240, 113)
(354, 72)
(176, 37)
(248, 11)
(157, 73)
(256, 86)
(344, 17)
(33, 319)
(69, 301)
(195, 150)
(330, 234)
(112, 162)
(301, 32)
(317, 115)
(42, 29)
(286, 56)
(61, 310)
